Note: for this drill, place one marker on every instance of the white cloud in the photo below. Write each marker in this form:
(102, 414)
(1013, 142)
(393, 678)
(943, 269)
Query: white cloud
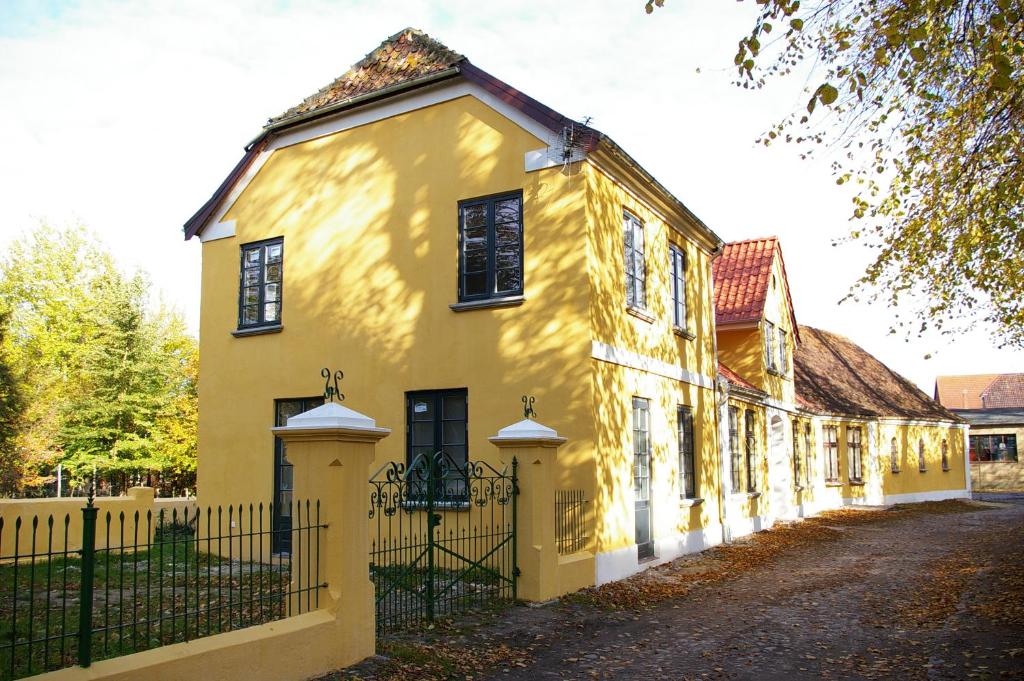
(128, 115)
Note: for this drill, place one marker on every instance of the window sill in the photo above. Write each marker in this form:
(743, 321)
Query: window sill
(640, 314)
(922, 470)
(856, 483)
(257, 330)
(799, 488)
(776, 372)
(895, 472)
(487, 303)
(695, 501)
(945, 470)
(833, 483)
(747, 495)
(684, 333)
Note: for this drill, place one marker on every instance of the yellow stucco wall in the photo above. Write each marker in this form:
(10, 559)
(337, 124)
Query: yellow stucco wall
(651, 338)
(742, 351)
(370, 226)
(909, 479)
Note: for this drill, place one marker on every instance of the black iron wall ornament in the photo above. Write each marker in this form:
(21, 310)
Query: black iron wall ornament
(528, 412)
(332, 391)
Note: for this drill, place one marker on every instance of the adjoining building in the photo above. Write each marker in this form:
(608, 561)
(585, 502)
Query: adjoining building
(993, 405)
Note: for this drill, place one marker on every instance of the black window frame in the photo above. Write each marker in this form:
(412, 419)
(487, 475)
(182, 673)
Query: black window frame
(854, 453)
(677, 274)
(454, 489)
(262, 321)
(636, 272)
(491, 273)
(687, 462)
(988, 444)
(830, 446)
(750, 433)
(735, 458)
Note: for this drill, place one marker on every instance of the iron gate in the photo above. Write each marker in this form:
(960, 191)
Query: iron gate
(442, 539)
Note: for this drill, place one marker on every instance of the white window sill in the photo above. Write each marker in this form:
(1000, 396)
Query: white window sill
(833, 483)
(487, 303)
(683, 333)
(746, 495)
(640, 314)
(696, 501)
(257, 330)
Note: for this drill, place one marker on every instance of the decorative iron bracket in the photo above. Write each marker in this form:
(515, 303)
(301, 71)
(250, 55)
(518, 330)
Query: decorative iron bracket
(528, 412)
(332, 391)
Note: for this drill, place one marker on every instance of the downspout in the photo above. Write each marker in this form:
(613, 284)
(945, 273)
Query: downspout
(721, 388)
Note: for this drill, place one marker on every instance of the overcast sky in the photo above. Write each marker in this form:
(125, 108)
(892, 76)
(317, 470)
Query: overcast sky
(126, 116)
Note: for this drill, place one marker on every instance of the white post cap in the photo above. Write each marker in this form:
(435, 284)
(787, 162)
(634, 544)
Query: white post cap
(527, 430)
(332, 415)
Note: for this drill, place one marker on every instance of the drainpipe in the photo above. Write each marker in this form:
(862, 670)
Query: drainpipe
(724, 464)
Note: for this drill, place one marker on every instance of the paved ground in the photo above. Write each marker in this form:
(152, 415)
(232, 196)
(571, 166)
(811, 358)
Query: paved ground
(935, 594)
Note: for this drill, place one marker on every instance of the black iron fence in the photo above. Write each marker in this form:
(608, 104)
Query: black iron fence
(155, 579)
(442, 539)
(570, 521)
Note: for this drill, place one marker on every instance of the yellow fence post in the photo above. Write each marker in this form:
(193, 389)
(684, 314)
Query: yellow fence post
(535, 447)
(332, 448)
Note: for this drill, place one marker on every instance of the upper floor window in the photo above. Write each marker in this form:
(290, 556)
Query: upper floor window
(831, 446)
(259, 295)
(750, 421)
(783, 351)
(636, 272)
(684, 427)
(491, 247)
(769, 345)
(734, 449)
(853, 452)
(920, 456)
(677, 268)
(894, 456)
(945, 455)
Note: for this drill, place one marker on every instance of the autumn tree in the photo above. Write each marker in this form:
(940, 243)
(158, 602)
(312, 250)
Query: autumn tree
(919, 103)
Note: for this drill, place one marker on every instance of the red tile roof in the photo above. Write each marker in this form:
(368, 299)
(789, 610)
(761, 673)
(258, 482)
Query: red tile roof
(962, 392)
(407, 55)
(834, 375)
(735, 378)
(1006, 392)
(742, 275)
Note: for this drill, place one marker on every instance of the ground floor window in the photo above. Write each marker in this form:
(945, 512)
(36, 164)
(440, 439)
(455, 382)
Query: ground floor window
(750, 423)
(945, 455)
(894, 456)
(796, 453)
(921, 465)
(807, 452)
(831, 447)
(853, 453)
(684, 427)
(283, 482)
(993, 448)
(437, 425)
(734, 448)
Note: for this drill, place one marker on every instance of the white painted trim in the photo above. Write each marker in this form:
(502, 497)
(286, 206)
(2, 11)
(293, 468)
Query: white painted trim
(967, 460)
(377, 111)
(890, 421)
(611, 566)
(218, 230)
(741, 527)
(779, 404)
(916, 497)
(610, 353)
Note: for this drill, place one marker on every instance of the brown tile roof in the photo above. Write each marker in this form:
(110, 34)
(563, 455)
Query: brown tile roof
(742, 275)
(834, 375)
(405, 56)
(1005, 392)
(735, 378)
(962, 392)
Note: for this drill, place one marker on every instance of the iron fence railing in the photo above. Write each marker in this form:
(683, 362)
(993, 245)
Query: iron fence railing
(570, 520)
(148, 580)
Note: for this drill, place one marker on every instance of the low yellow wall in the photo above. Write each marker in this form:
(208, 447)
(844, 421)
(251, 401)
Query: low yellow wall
(997, 476)
(66, 513)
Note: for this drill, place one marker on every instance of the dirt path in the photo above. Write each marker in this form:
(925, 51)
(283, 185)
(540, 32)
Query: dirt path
(922, 594)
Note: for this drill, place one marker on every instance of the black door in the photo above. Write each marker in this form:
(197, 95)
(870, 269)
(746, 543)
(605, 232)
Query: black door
(642, 476)
(283, 483)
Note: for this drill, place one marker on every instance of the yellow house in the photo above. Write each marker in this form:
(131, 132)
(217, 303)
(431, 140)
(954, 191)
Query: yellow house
(822, 421)
(452, 244)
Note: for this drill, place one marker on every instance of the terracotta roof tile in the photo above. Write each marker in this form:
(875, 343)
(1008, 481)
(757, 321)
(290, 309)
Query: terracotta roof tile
(1005, 392)
(405, 56)
(962, 392)
(742, 275)
(834, 375)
